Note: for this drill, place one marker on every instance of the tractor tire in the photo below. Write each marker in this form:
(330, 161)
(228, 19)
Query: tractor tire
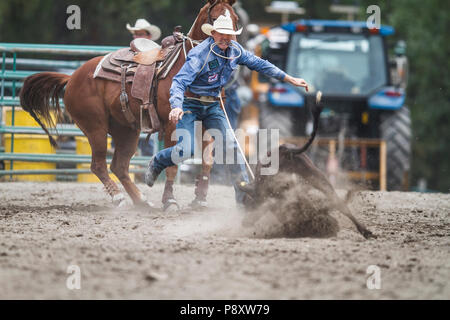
(395, 129)
(271, 117)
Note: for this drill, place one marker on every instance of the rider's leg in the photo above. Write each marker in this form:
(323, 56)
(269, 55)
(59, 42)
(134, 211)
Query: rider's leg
(184, 149)
(216, 120)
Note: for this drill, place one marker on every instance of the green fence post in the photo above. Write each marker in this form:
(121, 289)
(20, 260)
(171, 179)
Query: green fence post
(14, 80)
(2, 89)
(13, 114)
(3, 76)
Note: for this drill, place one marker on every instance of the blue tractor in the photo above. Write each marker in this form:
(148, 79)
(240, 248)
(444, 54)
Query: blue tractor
(363, 91)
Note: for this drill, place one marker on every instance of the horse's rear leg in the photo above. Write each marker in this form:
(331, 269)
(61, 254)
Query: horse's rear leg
(98, 142)
(125, 141)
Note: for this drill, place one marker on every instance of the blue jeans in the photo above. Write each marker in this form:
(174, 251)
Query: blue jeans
(232, 106)
(212, 117)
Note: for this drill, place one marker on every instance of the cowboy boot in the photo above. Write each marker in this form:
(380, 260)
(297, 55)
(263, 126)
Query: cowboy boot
(152, 173)
(201, 190)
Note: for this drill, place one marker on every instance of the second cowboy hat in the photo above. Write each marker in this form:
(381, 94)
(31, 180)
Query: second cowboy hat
(142, 24)
(223, 24)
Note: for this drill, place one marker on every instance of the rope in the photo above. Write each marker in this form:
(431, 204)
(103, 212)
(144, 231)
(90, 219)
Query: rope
(192, 41)
(206, 60)
(219, 55)
(196, 42)
(228, 58)
(235, 139)
(192, 27)
(184, 48)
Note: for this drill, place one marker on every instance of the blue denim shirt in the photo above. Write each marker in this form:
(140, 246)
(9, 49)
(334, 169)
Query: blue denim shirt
(216, 72)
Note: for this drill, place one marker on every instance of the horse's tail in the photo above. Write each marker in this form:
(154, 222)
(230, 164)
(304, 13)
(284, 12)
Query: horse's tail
(36, 93)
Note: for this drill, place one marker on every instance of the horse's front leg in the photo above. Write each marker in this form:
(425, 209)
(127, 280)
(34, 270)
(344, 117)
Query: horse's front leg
(125, 140)
(98, 142)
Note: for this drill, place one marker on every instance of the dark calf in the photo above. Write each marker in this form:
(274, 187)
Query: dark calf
(292, 160)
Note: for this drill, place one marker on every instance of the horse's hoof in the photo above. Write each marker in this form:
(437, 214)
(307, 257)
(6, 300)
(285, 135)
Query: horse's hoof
(171, 205)
(371, 236)
(198, 204)
(368, 234)
(150, 204)
(144, 204)
(119, 200)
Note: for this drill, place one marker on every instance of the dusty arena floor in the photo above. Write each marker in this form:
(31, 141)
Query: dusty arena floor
(137, 254)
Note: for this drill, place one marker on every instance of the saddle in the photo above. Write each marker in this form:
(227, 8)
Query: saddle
(142, 65)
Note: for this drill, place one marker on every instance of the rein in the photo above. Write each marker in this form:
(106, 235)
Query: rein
(192, 41)
(209, 11)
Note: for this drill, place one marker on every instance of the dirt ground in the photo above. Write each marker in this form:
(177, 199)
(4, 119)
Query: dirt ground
(136, 254)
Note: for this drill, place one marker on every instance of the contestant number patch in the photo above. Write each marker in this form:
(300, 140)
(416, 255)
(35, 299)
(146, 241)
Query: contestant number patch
(213, 77)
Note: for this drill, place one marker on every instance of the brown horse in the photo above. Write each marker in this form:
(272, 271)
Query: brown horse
(95, 107)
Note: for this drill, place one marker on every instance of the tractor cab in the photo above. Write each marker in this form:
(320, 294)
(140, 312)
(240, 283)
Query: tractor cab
(343, 59)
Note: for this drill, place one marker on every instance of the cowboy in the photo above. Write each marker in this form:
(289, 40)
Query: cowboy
(233, 103)
(194, 97)
(143, 29)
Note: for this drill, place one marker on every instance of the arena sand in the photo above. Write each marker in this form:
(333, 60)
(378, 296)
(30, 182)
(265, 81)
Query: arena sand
(138, 254)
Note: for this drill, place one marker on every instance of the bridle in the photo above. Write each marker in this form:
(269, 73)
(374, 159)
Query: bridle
(209, 11)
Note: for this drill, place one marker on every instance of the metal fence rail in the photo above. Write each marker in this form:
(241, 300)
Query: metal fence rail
(61, 171)
(363, 144)
(61, 130)
(64, 158)
(59, 49)
(13, 71)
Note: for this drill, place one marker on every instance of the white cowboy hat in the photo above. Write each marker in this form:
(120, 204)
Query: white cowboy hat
(223, 24)
(142, 24)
